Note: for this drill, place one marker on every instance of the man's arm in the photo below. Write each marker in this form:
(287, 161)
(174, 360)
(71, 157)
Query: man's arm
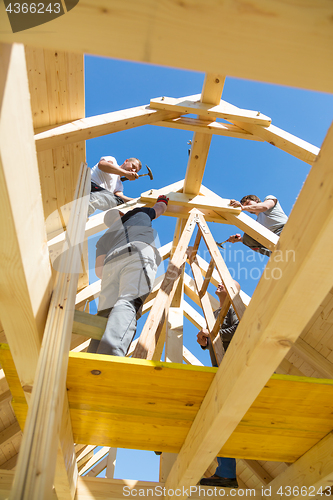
(161, 205)
(99, 265)
(110, 168)
(235, 238)
(202, 338)
(255, 208)
(121, 195)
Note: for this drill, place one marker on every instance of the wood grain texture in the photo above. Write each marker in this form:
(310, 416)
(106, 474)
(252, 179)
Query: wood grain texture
(206, 36)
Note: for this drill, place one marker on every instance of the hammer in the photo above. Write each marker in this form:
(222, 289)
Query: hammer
(150, 173)
(221, 244)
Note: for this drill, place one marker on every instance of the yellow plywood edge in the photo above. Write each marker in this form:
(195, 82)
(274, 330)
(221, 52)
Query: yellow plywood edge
(140, 404)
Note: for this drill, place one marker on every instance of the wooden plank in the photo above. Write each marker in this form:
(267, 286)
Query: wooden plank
(111, 463)
(266, 348)
(47, 412)
(288, 417)
(94, 459)
(222, 269)
(199, 202)
(216, 278)
(207, 40)
(259, 471)
(25, 270)
(191, 292)
(319, 362)
(224, 110)
(254, 229)
(192, 315)
(282, 140)
(174, 336)
(189, 358)
(207, 279)
(98, 468)
(97, 126)
(9, 433)
(207, 127)
(207, 310)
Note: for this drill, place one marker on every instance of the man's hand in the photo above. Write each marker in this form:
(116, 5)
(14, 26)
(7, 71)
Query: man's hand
(162, 198)
(131, 176)
(235, 238)
(202, 337)
(236, 204)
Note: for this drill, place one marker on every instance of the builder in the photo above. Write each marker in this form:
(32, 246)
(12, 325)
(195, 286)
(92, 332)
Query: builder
(126, 261)
(269, 213)
(106, 186)
(225, 474)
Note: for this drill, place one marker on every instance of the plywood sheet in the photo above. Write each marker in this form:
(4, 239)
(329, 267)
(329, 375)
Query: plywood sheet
(150, 405)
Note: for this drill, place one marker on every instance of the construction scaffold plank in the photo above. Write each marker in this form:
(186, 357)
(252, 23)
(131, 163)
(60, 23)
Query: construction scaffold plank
(289, 416)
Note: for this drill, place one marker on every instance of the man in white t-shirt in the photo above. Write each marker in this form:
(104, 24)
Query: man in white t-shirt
(269, 213)
(106, 186)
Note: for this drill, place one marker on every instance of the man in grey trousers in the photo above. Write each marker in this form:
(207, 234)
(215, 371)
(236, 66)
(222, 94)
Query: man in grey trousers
(126, 260)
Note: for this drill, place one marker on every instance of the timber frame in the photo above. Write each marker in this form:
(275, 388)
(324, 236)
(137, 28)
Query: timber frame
(37, 68)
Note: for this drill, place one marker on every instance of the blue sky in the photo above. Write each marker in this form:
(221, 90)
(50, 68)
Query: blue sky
(235, 167)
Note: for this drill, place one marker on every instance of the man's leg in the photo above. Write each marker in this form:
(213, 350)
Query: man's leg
(133, 289)
(255, 245)
(102, 200)
(225, 474)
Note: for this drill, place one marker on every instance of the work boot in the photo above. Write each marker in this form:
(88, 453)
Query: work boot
(221, 482)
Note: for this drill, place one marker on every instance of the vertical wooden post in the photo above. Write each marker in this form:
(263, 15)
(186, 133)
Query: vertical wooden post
(37, 459)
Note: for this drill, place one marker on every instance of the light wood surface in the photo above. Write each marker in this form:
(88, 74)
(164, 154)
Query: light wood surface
(289, 416)
(200, 37)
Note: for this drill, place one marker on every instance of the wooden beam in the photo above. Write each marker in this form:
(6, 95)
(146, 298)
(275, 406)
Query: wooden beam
(25, 272)
(208, 127)
(207, 310)
(206, 37)
(191, 201)
(48, 415)
(98, 468)
(224, 110)
(194, 317)
(211, 93)
(314, 358)
(9, 433)
(253, 228)
(238, 380)
(314, 470)
(94, 459)
(216, 278)
(97, 126)
(282, 140)
(191, 292)
(254, 466)
(189, 358)
(111, 463)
